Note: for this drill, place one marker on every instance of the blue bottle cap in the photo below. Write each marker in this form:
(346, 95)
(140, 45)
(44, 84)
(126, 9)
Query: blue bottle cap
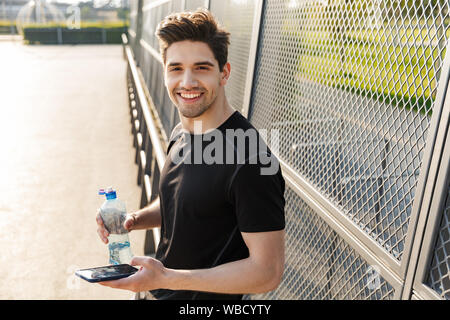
(109, 192)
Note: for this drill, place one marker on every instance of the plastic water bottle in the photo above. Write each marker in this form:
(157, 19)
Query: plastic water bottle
(113, 213)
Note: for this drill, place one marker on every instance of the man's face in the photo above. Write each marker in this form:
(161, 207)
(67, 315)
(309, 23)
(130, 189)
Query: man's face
(192, 77)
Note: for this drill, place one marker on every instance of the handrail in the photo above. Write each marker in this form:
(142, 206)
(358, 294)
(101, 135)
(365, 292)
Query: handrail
(152, 129)
(150, 158)
(124, 39)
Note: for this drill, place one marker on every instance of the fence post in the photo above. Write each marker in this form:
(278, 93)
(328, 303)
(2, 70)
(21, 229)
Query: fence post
(137, 52)
(427, 179)
(259, 7)
(103, 35)
(59, 35)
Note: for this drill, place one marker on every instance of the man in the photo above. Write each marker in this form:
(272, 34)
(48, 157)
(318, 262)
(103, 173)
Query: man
(221, 216)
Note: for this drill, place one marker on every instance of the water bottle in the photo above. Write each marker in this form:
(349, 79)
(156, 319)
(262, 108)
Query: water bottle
(113, 213)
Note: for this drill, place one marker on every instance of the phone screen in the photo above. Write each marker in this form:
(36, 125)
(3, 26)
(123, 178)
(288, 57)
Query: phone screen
(105, 273)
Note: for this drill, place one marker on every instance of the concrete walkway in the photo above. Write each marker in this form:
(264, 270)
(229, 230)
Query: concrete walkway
(64, 132)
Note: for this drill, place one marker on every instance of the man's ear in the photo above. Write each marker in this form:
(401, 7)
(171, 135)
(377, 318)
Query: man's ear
(225, 74)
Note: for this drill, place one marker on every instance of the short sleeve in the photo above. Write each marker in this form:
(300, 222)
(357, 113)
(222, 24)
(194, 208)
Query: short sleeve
(176, 133)
(258, 199)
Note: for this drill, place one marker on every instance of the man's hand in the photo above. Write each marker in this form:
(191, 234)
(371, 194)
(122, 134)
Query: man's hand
(129, 223)
(150, 276)
(101, 229)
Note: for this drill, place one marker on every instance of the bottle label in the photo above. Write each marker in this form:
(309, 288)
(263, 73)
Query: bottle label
(119, 249)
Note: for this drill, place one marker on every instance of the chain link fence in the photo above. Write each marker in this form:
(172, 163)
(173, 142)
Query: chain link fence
(358, 93)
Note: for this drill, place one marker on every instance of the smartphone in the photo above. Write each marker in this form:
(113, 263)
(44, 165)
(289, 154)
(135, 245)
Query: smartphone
(106, 273)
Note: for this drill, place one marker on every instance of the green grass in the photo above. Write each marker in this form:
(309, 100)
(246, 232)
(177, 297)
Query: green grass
(89, 32)
(387, 66)
(83, 24)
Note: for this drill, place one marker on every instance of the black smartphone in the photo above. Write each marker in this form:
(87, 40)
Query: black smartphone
(106, 273)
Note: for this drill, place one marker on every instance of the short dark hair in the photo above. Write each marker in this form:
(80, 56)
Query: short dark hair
(199, 25)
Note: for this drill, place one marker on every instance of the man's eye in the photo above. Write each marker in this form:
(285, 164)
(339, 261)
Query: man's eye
(203, 68)
(175, 69)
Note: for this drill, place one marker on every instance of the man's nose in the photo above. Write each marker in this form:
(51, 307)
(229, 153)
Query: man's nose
(188, 81)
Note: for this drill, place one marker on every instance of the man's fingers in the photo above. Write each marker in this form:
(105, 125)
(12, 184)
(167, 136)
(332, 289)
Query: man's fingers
(99, 219)
(144, 279)
(140, 261)
(127, 224)
(123, 283)
(128, 283)
(103, 235)
(101, 230)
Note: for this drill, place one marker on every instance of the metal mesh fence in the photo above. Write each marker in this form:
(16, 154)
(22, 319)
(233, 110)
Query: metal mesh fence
(133, 17)
(320, 265)
(152, 13)
(439, 274)
(351, 86)
(194, 4)
(237, 18)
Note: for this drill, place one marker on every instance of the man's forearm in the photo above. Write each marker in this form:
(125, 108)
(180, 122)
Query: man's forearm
(262, 271)
(238, 277)
(148, 217)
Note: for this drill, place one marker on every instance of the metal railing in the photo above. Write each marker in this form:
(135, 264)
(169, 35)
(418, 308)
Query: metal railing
(359, 94)
(148, 139)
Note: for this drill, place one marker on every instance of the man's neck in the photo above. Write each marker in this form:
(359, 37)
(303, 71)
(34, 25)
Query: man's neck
(210, 119)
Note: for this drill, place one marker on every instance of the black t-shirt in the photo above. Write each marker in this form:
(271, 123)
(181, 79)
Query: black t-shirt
(210, 194)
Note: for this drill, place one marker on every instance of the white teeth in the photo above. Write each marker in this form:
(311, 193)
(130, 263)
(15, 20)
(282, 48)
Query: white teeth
(190, 96)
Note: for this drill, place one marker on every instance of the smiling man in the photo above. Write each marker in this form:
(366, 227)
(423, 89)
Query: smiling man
(222, 222)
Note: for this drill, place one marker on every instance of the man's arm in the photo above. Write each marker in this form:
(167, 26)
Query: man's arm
(262, 271)
(146, 218)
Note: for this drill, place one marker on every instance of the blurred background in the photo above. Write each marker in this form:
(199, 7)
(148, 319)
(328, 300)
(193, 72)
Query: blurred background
(100, 21)
(64, 133)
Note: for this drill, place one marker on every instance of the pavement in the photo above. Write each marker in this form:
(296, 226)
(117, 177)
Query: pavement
(65, 132)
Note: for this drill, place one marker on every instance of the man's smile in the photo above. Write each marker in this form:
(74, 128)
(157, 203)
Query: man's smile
(190, 97)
